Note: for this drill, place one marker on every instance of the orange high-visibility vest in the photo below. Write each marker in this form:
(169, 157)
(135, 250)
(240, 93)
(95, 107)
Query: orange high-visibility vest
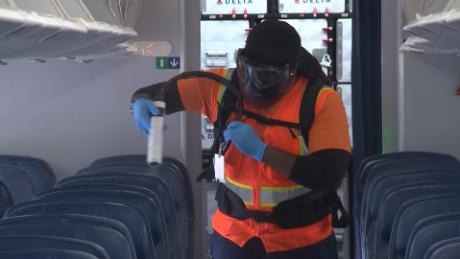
(258, 185)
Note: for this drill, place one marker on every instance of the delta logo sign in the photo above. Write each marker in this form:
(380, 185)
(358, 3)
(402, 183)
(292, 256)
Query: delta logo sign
(234, 2)
(312, 1)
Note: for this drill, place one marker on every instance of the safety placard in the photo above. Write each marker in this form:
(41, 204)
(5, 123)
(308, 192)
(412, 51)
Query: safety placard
(311, 6)
(234, 7)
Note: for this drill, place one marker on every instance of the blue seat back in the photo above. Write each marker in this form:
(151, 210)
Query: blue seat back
(170, 178)
(18, 183)
(392, 183)
(377, 229)
(152, 183)
(5, 198)
(131, 217)
(16, 243)
(181, 182)
(121, 159)
(46, 253)
(113, 242)
(39, 176)
(66, 219)
(446, 249)
(417, 209)
(377, 185)
(42, 163)
(138, 200)
(431, 230)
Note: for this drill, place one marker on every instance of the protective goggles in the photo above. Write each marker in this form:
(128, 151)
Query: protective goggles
(261, 76)
(261, 85)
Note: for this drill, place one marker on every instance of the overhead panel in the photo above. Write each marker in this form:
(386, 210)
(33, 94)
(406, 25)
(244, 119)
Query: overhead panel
(218, 45)
(344, 40)
(234, 6)
(311, 6)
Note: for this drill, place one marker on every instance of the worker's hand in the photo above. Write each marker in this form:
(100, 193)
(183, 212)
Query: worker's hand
(143, 110)
(245, 138)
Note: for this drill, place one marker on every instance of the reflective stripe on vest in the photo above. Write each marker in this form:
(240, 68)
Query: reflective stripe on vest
(227, 74)
(272, 196)
(243, 191)
(269, 196)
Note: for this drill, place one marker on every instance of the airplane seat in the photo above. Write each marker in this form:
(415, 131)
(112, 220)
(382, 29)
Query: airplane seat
(134, 219)
(5, 199)
(18, 183)
(45, 166)
(75, 219)
(40, 178)
(30, 243)
(431, 230)
(377, 227)
(445, 249)
(46, 253)
(178, 180)
(112, 241)
(179, 230)
(384, 164)
(415, 210)
(138, 200)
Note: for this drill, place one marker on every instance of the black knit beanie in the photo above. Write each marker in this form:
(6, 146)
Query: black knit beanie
(273, 42)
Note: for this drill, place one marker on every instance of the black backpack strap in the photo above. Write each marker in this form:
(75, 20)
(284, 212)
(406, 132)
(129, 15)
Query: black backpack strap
(226, 106)
(340, 216)
(307, 107)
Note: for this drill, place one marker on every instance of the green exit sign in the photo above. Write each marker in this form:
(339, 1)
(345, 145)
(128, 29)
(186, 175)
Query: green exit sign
(168, 62)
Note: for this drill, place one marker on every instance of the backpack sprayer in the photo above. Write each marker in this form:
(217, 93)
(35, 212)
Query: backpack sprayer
(155, 138)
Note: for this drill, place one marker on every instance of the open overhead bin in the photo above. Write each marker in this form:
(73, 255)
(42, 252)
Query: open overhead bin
(43, 29)
(45, 33)
(101, 36)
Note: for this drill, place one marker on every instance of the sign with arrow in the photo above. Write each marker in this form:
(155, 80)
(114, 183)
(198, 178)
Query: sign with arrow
(168, 62)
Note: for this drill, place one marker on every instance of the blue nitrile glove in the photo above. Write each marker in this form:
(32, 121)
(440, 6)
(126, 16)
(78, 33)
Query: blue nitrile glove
(245, 138)
(143, 110)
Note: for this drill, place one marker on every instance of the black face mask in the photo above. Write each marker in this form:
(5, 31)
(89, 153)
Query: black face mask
(262, 85)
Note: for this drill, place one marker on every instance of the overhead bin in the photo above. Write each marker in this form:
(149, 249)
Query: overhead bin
(11, 21)
(101, 36)
(46, 32)
(101, 13)
(45, 29)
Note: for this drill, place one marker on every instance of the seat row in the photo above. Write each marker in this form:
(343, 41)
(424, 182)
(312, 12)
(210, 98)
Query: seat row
(407, 205)
(118, 207)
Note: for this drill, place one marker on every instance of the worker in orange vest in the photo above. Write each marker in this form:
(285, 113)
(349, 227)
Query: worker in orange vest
(289, 148)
